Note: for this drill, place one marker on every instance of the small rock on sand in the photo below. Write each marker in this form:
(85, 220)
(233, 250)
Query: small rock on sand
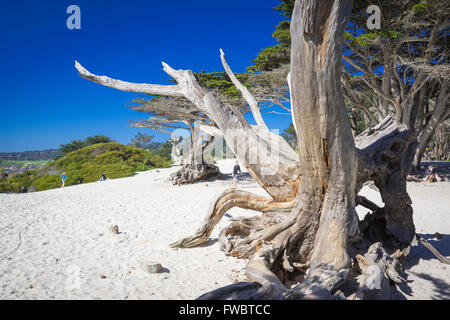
(151, 266)
(114, 229)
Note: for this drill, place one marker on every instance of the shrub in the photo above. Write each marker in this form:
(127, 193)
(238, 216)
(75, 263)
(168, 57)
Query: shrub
(15, 183)
(86, 165)
(47, 182)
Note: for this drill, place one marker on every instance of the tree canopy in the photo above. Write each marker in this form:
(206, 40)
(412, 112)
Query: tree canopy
(278, 55)
(401, 69)
(79, 144)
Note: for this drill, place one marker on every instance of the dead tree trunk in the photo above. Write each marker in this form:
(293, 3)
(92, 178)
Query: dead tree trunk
(325, 205)
(314, 238)
(313, 235)
(385, 156)
(267, 156)
(195, 169)
(308, 227)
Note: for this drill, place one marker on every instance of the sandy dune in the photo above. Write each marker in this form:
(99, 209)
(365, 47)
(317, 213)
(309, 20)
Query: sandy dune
(57, 245)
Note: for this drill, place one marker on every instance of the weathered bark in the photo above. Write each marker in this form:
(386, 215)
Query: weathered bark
(191, 173)
(325, 143)
(385, 156)
(251, 144)
(195, 168)
(379, 268)
(253, 104)
(374, 143)
(314, 236)
(224, 202)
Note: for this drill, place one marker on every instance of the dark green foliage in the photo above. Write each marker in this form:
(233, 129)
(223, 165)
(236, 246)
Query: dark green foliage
(286, 7)
(357, 121)
(290, 136)
(406, 34)
(47, 182)
(364, 39)
(165, 150)
(219, 81)
(276, 56)
(413, 45)
(78, 144)
(71, 146)
(86, 165)
(97, 139)
(271, 58)
(144, 141)
(15, 183)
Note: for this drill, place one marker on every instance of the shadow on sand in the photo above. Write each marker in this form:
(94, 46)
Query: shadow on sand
(441, 287)
(245, 176)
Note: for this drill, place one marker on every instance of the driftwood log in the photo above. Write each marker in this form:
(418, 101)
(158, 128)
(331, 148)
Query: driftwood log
(191, 173)
(194, 168)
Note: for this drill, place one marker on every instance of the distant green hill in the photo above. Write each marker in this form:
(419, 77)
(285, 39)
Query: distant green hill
(39, 155)
(27, 160)
(86, 165)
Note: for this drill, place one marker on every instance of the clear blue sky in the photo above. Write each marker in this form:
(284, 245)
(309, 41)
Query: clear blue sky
(44, 102)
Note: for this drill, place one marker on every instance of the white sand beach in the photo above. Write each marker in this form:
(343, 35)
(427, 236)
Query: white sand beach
(56, 244)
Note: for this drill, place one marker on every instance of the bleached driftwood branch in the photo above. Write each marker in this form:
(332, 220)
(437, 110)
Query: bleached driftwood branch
(253, 104)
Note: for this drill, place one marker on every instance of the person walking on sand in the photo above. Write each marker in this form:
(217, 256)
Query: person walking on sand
(236, 169)
(63, 178)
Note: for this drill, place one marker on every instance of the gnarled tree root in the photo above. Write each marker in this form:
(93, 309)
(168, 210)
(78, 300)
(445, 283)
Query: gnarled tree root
(264, 285)
(191, 173)
(378, 268)
(242, 238)
(224, 202)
